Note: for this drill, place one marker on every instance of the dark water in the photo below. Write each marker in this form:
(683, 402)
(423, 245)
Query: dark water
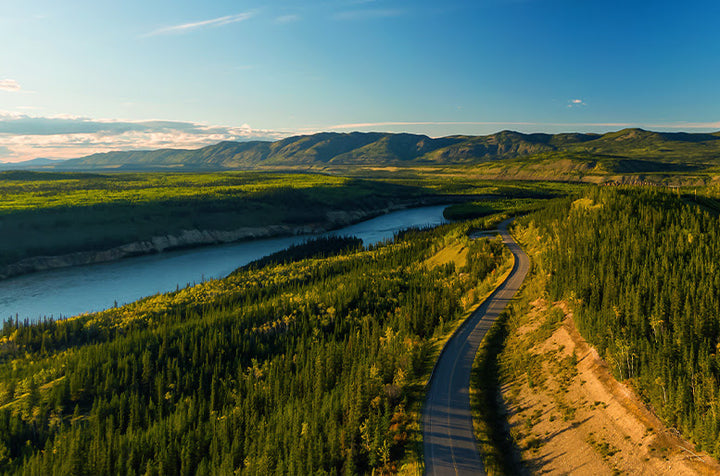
(69, 291)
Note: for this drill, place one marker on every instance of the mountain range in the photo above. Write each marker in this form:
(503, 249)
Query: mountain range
(627, 148)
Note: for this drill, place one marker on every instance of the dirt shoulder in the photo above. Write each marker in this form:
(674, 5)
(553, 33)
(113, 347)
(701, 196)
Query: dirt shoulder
(569, 415)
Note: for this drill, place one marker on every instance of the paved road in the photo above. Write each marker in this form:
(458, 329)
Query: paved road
(448, 440)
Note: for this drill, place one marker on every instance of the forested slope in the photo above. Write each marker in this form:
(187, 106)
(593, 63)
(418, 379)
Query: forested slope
(640, 267)
(307, 367)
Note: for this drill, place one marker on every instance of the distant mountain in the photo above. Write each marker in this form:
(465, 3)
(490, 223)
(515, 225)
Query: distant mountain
(503, 145)
(331, 149)
(639, 143)
(29, 164)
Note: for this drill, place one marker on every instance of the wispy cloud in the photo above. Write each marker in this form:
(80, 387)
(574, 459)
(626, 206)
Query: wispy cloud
(576, 103)
(365, 125)
(24, 137)
(9, 85)
(368, 14)
(283, 19)
(213, 23)
(714, 126)
(709, 126)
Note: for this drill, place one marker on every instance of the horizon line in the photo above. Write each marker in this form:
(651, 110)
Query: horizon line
(623, 125)
(330, 129)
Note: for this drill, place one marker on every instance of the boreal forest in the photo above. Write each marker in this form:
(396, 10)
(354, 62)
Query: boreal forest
(309, 363)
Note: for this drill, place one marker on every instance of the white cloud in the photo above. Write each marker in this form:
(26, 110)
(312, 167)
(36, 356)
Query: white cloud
(576, 103)
(8, 115)
(9, 85)
(215, 22)
(25, 137)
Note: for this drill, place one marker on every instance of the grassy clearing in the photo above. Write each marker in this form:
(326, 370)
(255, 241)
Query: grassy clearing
(455, 254)
(37, 190)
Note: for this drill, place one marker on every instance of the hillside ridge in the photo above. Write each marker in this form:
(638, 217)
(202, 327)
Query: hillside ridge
(339, 149)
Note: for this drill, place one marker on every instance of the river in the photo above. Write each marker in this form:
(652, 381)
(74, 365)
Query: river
(70, 291)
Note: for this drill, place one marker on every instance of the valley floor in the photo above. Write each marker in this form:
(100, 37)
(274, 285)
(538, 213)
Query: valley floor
(569, 415)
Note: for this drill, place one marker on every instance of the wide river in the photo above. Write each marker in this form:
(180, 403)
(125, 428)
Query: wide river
(70, 291)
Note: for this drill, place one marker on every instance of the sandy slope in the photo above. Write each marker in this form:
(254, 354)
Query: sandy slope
(577, 419)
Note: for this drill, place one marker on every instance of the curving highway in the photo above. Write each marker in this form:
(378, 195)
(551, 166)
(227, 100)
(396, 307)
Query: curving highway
(448, 439)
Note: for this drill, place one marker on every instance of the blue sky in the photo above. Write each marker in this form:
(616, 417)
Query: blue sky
(78, 77)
